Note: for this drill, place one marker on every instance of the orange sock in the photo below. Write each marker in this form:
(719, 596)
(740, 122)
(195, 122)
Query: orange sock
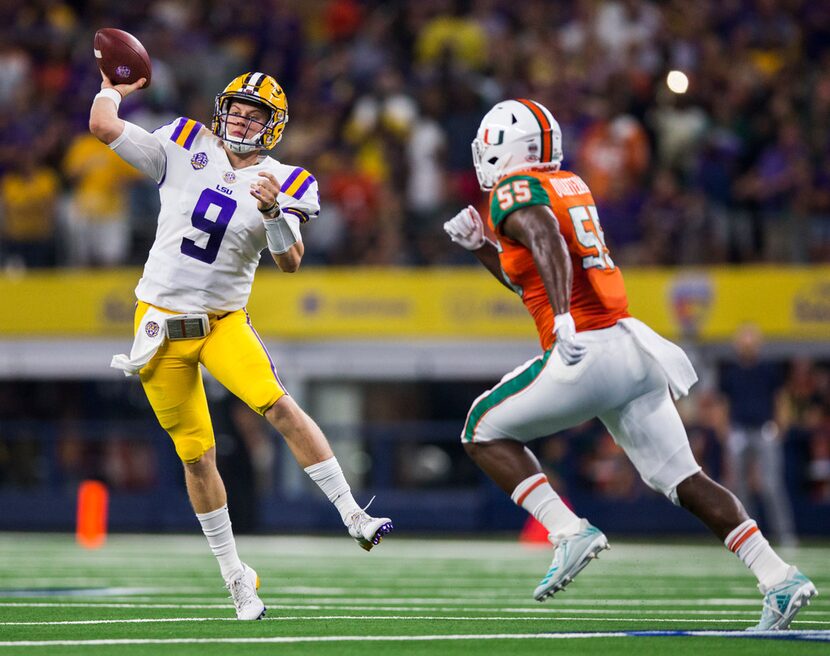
(748, 543)
(537, 497)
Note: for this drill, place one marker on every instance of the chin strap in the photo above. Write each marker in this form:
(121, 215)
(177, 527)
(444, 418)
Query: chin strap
(238, 148)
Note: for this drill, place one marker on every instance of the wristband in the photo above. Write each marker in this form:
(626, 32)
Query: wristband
(110, 93)
(272, 212)
(279, 235)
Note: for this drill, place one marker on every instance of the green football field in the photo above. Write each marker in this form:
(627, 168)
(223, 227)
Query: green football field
(156, 595)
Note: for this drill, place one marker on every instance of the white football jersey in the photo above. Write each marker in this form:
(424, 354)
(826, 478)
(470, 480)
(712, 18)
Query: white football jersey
(210, 233)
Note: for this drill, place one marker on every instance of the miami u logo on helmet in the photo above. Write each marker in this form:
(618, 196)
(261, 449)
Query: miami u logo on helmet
(492, 140)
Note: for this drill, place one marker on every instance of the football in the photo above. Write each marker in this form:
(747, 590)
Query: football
(121, 56)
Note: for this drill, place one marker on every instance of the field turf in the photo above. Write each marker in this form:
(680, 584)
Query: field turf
(162, 595)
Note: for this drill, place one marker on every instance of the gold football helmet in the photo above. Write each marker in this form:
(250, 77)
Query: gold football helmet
(258, 89)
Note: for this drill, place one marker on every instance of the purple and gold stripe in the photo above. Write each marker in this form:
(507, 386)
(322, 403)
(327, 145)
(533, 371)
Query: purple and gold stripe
(297, 183)
(178, 129)
(185, 132)
(290, 179)
(302, 216)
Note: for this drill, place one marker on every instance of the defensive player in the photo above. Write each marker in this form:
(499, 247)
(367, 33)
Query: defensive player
(223, 200)
(598, 361)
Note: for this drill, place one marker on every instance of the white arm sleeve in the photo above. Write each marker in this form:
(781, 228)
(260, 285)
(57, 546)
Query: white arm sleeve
(282, 233)
(138, 147)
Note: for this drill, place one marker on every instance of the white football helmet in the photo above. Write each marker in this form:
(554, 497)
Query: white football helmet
(514, 135)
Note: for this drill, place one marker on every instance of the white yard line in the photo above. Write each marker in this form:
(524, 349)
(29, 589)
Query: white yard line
(822, 636)
(418, 618)
(541, 611)
(454, 605)
(279, 584)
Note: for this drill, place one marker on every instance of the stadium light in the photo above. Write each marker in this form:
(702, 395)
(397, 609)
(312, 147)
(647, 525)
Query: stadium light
(677, 81)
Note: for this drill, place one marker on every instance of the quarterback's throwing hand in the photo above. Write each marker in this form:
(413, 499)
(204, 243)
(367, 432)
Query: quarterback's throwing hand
(466, 229)
(124, 89)
(569, 350)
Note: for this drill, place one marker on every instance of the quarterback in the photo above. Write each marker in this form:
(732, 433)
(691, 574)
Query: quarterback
(598, 360)
(223, 201)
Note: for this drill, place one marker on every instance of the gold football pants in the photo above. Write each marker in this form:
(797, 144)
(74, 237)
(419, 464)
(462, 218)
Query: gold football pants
(232, 352)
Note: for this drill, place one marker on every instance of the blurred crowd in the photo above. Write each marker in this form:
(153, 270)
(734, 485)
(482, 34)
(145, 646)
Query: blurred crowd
(385, 98)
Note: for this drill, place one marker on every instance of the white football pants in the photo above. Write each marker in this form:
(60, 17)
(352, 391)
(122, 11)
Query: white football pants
(618, 381)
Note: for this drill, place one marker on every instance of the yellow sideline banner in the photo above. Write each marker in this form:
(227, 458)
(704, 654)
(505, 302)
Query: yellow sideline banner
(445, 303)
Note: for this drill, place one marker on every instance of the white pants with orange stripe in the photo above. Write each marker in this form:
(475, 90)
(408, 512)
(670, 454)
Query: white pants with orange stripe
(617, 381)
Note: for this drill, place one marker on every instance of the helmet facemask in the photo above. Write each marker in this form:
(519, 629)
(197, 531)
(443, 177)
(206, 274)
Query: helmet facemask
(246, 144)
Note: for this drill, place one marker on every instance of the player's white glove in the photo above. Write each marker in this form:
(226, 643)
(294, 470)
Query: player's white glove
(466, 229)
(569, 350)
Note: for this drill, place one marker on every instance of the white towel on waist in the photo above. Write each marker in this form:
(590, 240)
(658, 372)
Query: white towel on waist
(669, 356)
(148, 338)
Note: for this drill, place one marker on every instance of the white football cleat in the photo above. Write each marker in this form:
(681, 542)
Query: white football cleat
(243, 591)
(783, 601)
(571, 555)
(367, 530)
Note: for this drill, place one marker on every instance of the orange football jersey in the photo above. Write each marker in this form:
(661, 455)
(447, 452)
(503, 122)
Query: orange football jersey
(598, 298)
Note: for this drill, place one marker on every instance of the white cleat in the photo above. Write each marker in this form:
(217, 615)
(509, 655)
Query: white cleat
(571, 555)
(243, 591)
(783, 601)
(367, 530)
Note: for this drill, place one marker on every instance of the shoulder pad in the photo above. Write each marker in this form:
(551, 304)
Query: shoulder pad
(515, 192)
(185, 131)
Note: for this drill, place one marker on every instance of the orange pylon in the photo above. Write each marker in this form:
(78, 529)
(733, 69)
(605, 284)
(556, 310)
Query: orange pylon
(91, 521)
